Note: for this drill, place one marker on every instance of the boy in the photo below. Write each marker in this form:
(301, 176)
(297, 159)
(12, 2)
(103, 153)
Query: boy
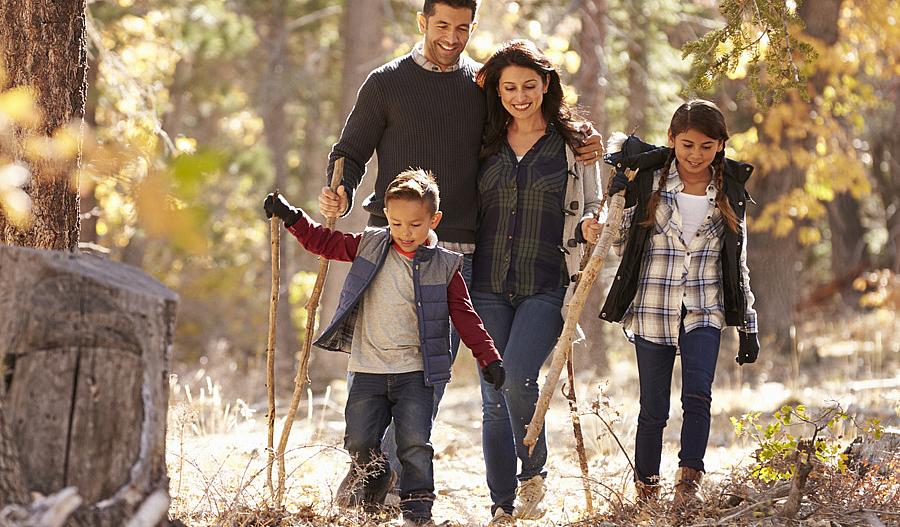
(394, 319)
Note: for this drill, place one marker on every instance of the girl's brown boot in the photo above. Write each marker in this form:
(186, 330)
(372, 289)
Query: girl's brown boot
(687, 485)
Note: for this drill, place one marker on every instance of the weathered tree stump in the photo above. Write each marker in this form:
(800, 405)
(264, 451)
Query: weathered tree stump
(85, 346)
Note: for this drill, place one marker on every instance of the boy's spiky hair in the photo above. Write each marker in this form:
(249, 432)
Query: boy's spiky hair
(417, 185)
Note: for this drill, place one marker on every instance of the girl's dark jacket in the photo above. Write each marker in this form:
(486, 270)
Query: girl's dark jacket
(648, 159)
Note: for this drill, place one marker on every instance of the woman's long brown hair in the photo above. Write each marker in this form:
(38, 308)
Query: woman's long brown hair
(706, 118)
(526, 54)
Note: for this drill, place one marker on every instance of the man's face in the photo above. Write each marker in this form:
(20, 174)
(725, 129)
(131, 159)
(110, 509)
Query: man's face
(447, 32)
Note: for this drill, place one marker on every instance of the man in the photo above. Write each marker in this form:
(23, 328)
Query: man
(423, 110)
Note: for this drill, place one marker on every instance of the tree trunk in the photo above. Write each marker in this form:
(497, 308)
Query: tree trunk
(43, 43)
(272, 99)
(86, 377)
(363, 51)
(775, 263)
(636, 69)
(592, 82)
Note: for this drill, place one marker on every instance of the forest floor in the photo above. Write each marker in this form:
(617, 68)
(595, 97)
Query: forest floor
(216, 451)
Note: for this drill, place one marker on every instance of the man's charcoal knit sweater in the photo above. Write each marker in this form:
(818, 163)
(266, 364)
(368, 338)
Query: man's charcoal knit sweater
(415, 118)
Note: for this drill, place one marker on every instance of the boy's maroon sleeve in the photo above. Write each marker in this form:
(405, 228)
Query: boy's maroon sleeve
(325, 242)
(468, 324)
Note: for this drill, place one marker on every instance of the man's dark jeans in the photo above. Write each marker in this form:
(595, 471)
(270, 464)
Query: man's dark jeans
(376, 399)
(699, 352)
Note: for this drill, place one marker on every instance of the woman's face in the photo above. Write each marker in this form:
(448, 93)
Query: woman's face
(695, 151)
(521, 91)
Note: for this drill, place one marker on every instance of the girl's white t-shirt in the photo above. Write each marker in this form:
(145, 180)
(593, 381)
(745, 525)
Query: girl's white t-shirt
(693, 211)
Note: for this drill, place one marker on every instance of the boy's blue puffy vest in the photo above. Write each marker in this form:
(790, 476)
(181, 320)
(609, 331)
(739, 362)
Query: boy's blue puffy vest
(433, 268)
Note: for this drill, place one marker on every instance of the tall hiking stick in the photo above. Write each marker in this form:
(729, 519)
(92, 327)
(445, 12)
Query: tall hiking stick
(275, 239)
(567, 337)
(570, 395)
(312, 305)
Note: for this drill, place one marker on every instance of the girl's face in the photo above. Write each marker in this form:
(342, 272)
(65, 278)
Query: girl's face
(521, 91)
(695, 151)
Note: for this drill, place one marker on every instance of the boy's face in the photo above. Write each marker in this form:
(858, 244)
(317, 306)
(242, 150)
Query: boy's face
(410, 221)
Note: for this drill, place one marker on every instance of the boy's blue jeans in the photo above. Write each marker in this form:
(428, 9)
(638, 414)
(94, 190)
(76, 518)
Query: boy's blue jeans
(376, 399)
(390, 442)
(699, 352)
(525, 330)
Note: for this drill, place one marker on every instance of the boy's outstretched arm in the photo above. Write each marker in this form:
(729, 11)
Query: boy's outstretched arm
(314, 237)
(468, 324)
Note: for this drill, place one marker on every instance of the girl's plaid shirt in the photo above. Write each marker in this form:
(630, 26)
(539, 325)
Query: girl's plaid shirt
(676, 273)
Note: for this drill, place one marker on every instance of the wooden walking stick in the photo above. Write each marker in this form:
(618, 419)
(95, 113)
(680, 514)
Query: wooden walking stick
(569, 393)
(567, 337)
(275, 239)
(312, 305)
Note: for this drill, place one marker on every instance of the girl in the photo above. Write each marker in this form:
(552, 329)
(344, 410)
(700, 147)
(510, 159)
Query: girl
(683, 277)
(536, 205)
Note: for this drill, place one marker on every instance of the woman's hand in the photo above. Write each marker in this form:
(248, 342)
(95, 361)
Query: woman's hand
(591, 230)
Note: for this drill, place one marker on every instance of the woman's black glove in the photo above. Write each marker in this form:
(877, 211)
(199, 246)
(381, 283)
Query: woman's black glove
(748, 349)
(277, 205)
(494, 374)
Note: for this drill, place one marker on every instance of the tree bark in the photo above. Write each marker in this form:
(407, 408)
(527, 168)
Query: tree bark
(43, 45)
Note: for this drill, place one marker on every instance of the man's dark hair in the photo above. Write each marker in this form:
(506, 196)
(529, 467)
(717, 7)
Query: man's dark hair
(428, 8)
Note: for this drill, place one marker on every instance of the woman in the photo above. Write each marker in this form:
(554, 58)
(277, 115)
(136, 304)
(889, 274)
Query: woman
(536, 206)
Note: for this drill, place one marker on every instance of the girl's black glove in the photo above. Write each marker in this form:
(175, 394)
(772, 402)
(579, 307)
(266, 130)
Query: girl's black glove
(494, 374)
(277, 205)
(619, 183)
(748, 349)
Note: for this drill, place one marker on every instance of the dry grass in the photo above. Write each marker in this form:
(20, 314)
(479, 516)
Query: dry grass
(217, 472)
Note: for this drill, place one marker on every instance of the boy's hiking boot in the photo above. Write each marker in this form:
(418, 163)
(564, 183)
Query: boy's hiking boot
(352, 491)
(687, 485)
(645, 492)
(501, 519)
(528, 499)
(409, 522)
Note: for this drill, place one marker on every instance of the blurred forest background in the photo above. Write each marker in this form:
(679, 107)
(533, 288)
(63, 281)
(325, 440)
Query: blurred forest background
(198, 108)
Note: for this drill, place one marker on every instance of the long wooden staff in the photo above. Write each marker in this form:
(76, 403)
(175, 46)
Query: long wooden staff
(275, 239)
(567, 337)
(312, 305)
(569, 393)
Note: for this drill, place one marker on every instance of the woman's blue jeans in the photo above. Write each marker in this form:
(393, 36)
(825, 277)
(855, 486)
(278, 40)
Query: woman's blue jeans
(699, 352)
(525, 330)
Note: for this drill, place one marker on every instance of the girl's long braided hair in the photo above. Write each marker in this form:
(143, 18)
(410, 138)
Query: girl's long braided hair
(706, 118)
(554, 108)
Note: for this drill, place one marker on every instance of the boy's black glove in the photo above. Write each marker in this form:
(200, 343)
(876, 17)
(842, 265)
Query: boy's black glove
(279, 206)
(748, 349)
(619, 183)
(494, 374)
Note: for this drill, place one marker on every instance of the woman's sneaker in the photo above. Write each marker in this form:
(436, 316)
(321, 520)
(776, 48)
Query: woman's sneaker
(501, 519)
(528, 499)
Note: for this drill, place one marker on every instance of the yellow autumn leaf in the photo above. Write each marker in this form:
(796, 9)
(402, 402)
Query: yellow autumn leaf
(18, 105)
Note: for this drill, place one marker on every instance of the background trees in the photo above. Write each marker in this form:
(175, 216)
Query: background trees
(200, 107)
